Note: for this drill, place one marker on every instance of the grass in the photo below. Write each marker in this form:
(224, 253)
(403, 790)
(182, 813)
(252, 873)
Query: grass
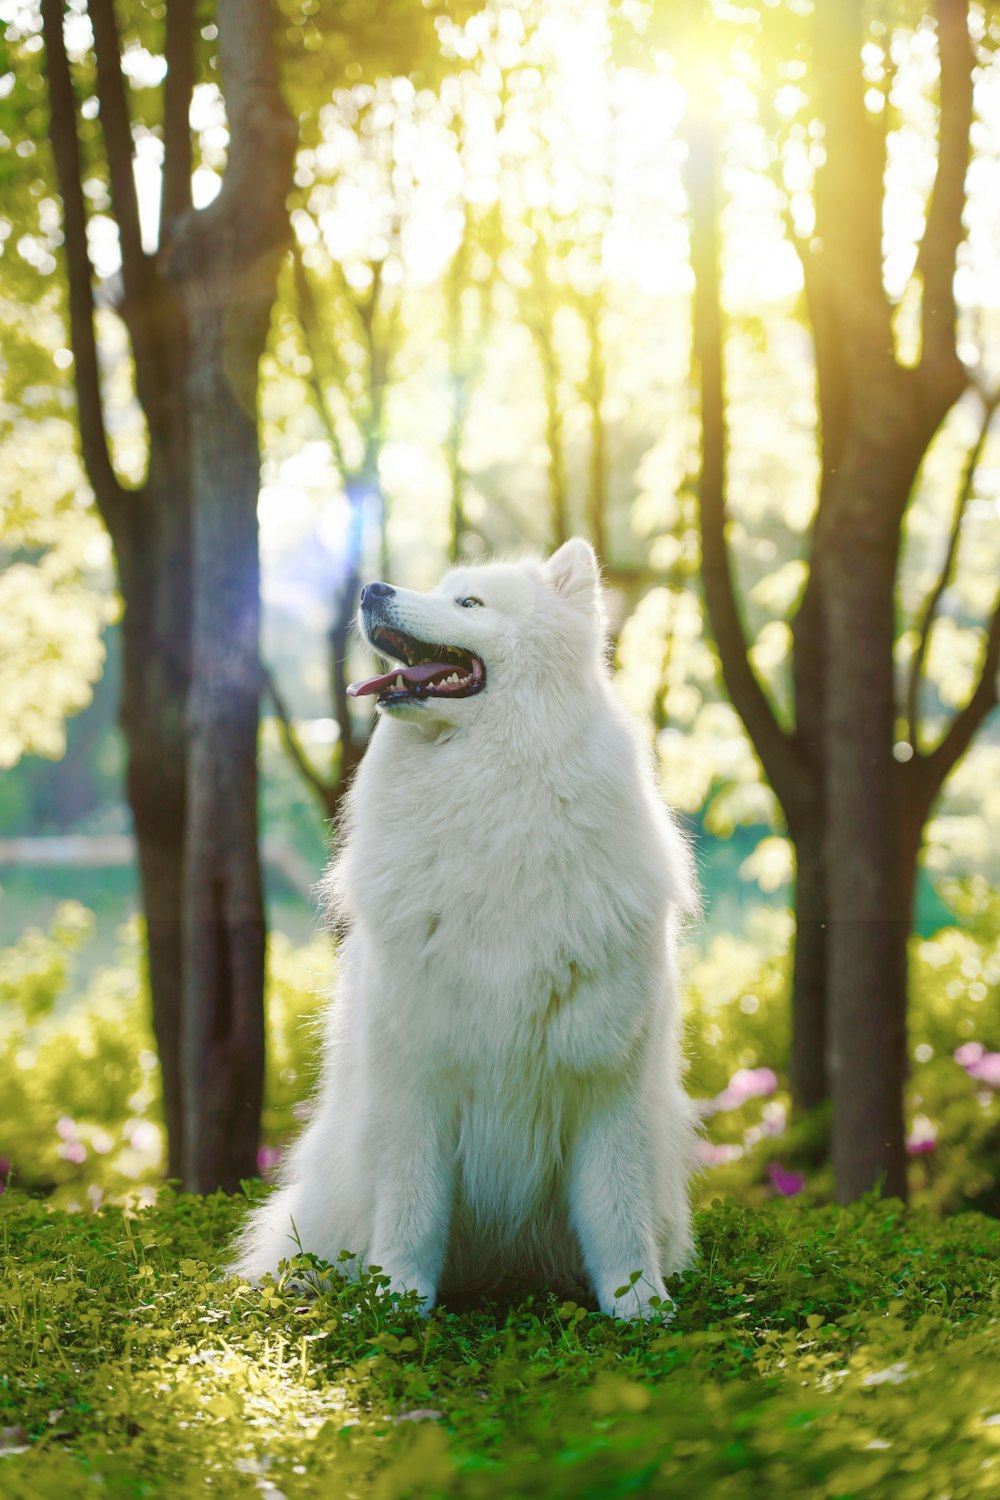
(832, 1352)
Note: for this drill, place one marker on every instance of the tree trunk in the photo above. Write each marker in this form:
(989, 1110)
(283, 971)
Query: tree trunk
(807, 1064)
(150, 527)
(855, 816)
(792, 762)
(154, 555)
(868, 890)
(805, 808)
(155, 571)
(224, 260)
(224, 964)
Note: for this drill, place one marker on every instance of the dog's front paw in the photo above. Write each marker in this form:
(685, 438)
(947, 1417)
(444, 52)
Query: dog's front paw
(641, 1299)
(408, 1279)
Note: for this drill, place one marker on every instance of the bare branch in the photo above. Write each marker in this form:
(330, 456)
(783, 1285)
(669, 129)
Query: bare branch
(944, 231)
(459, 376)
(117, 131)
(380, 351)
(360, 484)
(323, 789)
(263, 133)
(309, 324)
(138, 269)
(827, 334)
(931, 770)
(539, 321)
(66, 150)
(849, 184)
(358, 493)
(748, 696)
(175, 194)
(591, 309)
(929, 611)
(243, 233)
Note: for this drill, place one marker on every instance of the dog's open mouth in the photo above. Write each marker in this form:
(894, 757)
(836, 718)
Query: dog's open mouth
(427, 671)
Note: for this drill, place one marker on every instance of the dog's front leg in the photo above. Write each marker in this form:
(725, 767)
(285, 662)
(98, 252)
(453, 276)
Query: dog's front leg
(413, 1198)
(611, 1208)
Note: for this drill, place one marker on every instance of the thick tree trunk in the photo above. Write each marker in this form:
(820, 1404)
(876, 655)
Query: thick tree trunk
(868, 928)
(868, 887)
(223, 1043)
(154, 555)
(224, 260)
(154, 693)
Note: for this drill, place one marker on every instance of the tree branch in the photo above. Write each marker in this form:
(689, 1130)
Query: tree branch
(111, 498)
(245, 228)
(309, 324)
(138, 269)
(591, 308)
(175, 193)
(539, 321)
(931, 770)
(944, 374)
(849, 185)
(820, 301)
(933, 599)
(458, 374)
(358, 492)
(749, 698)
(323, 789)
(359, 485)
(117, 131)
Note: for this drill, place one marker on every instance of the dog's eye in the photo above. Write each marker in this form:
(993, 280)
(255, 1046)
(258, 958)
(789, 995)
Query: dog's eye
(469, 602)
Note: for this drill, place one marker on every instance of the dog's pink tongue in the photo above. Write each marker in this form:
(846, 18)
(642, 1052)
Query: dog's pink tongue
(425, 671)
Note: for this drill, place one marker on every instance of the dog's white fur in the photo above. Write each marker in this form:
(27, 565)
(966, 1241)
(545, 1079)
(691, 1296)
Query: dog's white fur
(501, 1093)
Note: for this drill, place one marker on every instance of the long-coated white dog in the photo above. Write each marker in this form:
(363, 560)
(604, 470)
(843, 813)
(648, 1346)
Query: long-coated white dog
(501, 1095)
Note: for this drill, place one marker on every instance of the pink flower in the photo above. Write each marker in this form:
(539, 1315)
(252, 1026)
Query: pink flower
(268, 1158)
(986, 1069)
(920, 1145)
(74, 1151)
(784, 1182)
(143, 1136)
(710, 1154)
(746, 1083)
(66, 1127)
(922, 1137)
(969, 1053)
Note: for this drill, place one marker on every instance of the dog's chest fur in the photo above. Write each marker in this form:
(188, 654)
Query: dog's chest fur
(537, 913)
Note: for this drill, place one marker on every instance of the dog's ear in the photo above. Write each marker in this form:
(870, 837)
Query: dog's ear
(573, 573)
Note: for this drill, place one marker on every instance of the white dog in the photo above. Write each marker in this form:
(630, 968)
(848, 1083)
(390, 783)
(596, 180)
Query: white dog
(501, 1094)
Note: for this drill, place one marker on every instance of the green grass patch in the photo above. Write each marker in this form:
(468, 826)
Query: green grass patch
(834, 1352)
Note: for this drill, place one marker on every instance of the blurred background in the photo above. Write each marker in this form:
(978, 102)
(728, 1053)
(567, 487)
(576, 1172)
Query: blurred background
(556, 267)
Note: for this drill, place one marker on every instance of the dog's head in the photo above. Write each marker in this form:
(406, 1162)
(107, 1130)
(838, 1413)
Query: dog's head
(487, 629)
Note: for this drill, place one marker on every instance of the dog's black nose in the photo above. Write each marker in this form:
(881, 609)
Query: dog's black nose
(373, 591)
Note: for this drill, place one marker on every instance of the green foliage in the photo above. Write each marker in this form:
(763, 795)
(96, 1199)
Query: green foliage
(79, 1081)
(80, 1114)
(55, 593)
(832, 1352)
(80, 1097)
(736, 1018)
